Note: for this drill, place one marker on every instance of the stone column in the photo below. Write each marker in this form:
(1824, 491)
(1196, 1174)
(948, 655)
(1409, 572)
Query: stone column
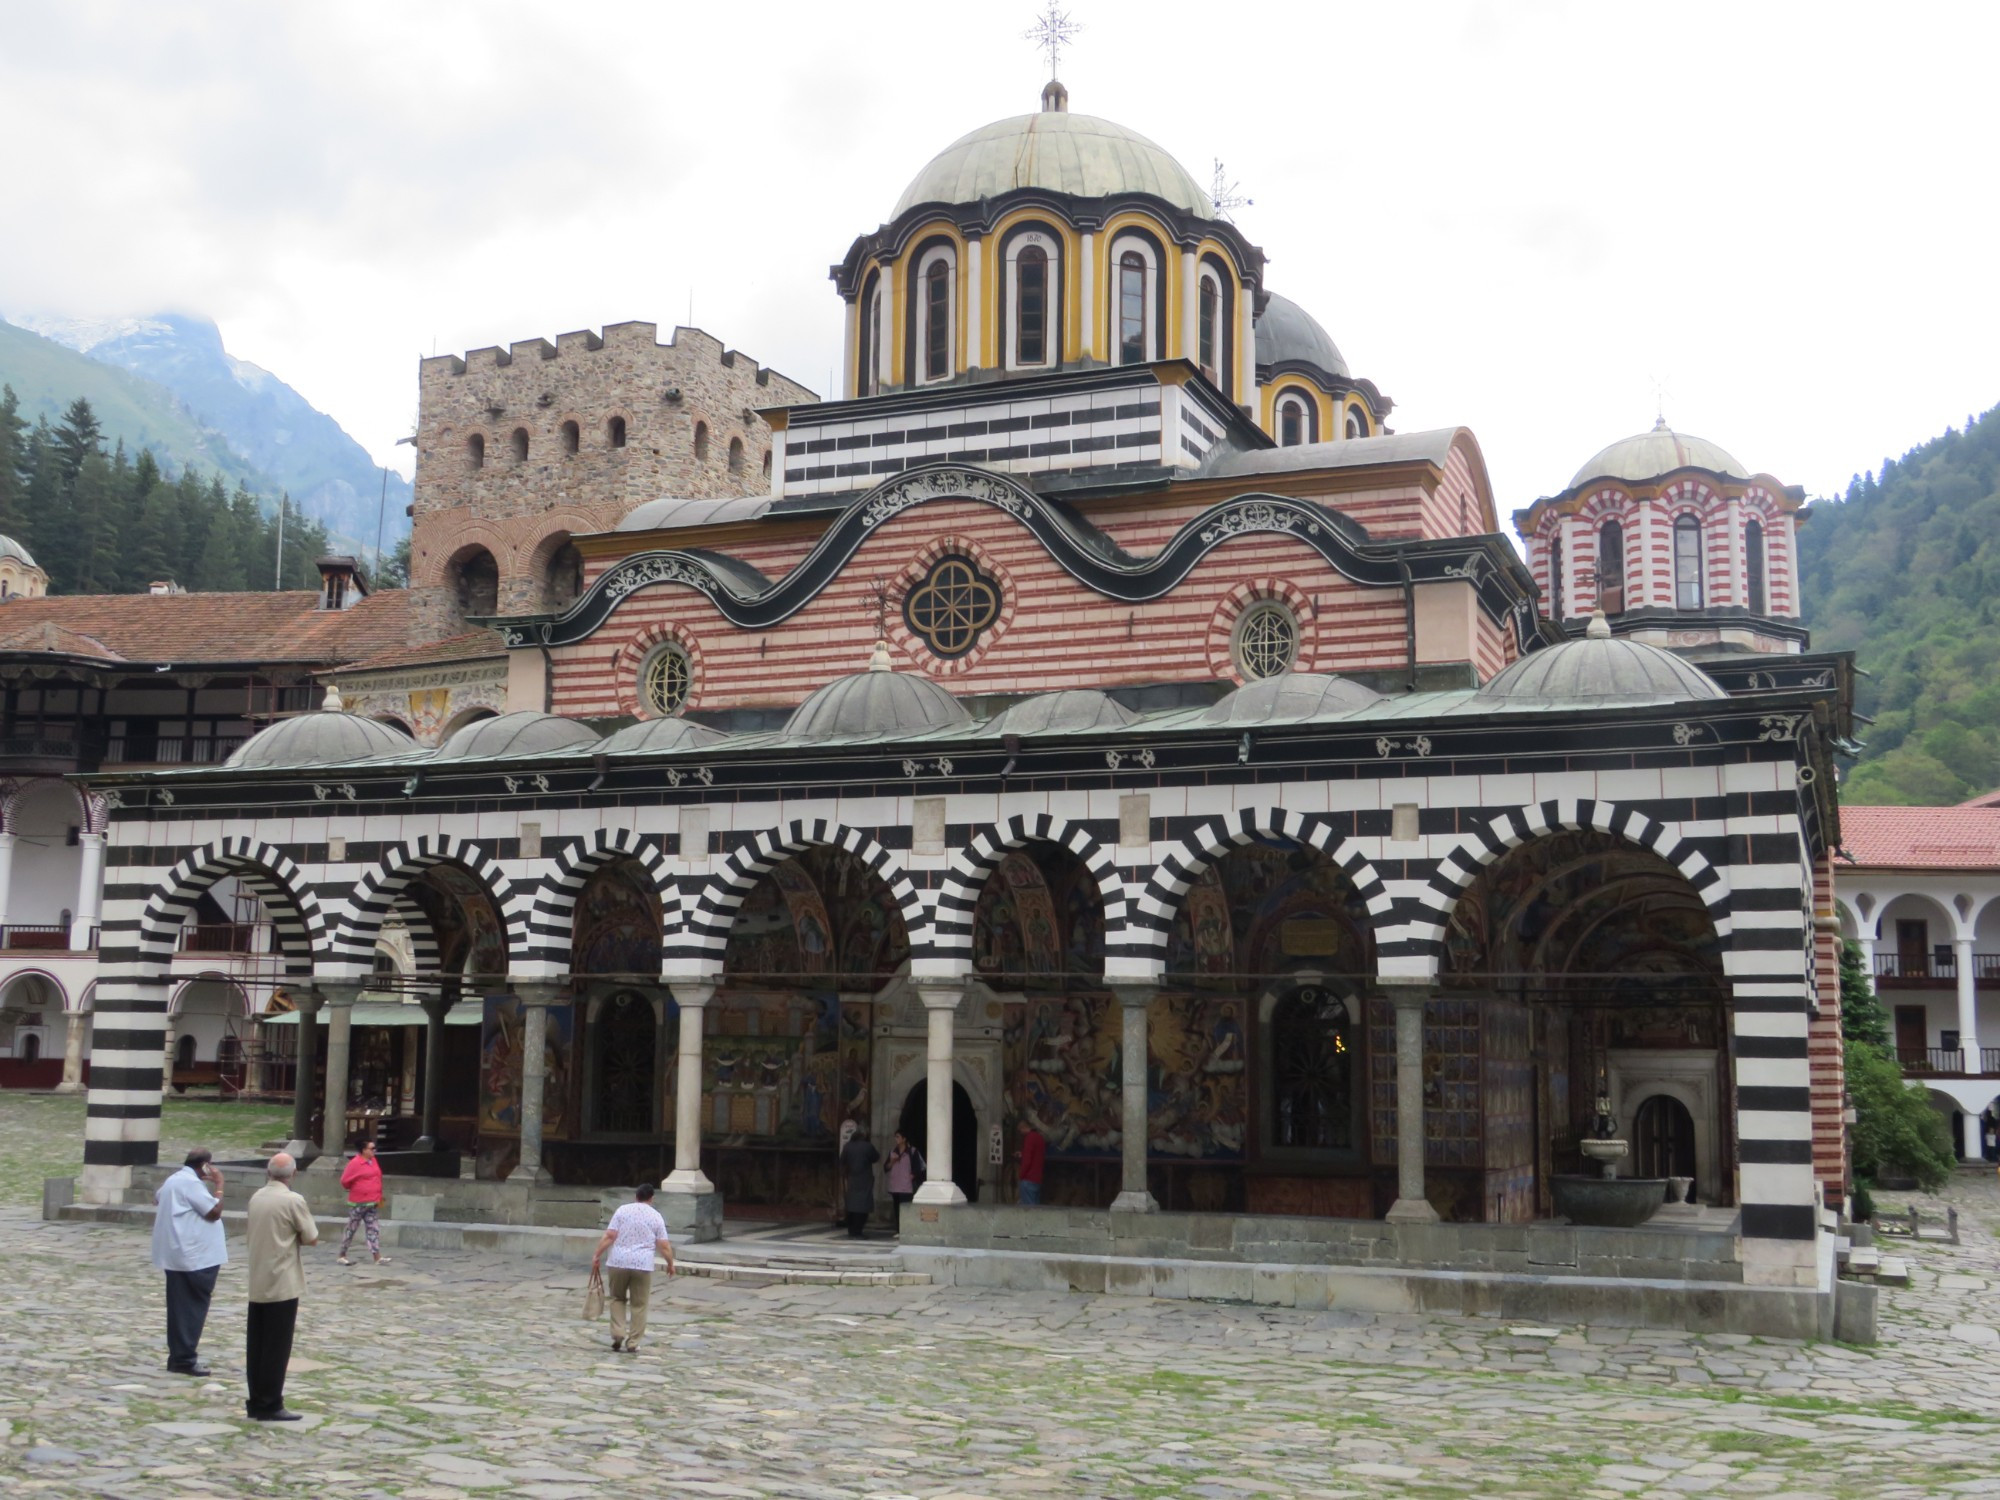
(688, 1201)
(1866, 944)
(301, 1147)
(89, 892)
(339, 1001)
(535, 1002)
(167, 1056)
(72, 1079)
(1134, 1195)
(975, 302)
(6, 875)
(940, 1012)
(1411, 1206)
(1968, 1004)
(435, 1009)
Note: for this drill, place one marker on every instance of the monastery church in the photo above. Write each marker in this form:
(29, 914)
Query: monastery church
(1095, 716)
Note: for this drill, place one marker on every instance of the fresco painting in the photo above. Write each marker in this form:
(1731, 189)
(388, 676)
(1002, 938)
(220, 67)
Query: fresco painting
(501, 1029)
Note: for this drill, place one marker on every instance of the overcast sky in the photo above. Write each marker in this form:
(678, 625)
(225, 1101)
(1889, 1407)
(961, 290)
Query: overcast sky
(1525, 218)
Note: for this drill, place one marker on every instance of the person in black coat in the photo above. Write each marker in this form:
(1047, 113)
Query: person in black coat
(857, 1169)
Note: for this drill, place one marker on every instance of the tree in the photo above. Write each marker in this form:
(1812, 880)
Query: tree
(78, 435)
(393, 572)
(13, 461)
(1896, 1132)
(1863, 1018)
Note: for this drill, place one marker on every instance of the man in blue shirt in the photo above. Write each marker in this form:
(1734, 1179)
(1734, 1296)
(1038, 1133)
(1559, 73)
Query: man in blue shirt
(188, 1245)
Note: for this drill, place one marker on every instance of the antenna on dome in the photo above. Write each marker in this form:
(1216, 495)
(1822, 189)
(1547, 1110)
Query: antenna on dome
(1226, 194)
(1659, 404)
(1052, 31)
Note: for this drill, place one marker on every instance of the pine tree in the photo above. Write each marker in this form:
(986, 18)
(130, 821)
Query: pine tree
(13, 466)
(92, 501)
(1862, 1015)
(79, 435)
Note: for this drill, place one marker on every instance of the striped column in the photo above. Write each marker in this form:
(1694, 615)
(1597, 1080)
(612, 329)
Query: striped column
(121, 1128)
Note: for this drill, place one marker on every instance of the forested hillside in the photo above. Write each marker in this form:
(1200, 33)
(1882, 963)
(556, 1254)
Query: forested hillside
(1903, 571)
(101, 521)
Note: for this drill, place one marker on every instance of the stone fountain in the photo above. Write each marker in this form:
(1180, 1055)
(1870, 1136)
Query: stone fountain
(1607, 1200)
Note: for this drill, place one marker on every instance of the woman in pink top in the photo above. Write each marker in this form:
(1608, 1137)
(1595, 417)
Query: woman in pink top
(906, 1165)
(362, 1178)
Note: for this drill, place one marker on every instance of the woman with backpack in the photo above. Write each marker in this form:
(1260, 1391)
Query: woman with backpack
(905, 1174)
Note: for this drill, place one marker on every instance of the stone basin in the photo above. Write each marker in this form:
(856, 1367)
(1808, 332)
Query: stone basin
(1607, 1202)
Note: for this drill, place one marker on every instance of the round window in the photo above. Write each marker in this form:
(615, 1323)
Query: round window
(664, 681)
(952, 605)
(1267, 640)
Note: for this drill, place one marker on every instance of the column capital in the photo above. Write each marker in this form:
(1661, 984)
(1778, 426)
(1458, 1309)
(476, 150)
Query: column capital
(1134, 996)
(691, 994)
(336, 994)
(306, 1001)
(941, 996)
(539, 993)
(1406, 991)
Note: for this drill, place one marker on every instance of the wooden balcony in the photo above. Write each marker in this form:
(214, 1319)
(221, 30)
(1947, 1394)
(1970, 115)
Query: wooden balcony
(1944, 1062)
(1937, 970)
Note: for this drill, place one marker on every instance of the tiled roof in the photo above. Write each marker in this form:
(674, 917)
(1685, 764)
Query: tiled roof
(475, 645)
(1939, 838)
(1990, 799)
(193, 628)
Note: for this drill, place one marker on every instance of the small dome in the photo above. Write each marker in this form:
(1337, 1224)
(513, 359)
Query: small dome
(11, 548)
(516, 734)
(877, 702)
(1648, 455)
(1060, 152)
(1600, 666)
(1290, 695)
(671, 511)
(1062, 713)
(319, 739)
(1288, 334)
(660, 735)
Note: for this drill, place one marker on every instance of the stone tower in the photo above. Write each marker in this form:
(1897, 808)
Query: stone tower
(520, 449)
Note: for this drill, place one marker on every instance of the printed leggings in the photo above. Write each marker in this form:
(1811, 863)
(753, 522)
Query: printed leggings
(363, 1216)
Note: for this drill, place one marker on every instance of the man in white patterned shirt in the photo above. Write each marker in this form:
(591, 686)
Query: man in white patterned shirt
(188, 1246)
(636, 1233)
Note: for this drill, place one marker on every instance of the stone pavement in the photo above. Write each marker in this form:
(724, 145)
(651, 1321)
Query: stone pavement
(440, 1376)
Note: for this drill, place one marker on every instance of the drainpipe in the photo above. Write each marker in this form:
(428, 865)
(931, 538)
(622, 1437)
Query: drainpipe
(603, 764)
(1409, 619)
(548, 681)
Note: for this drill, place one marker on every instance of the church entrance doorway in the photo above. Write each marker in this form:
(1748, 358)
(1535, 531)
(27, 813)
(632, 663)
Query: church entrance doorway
(964, 1135)
(1663, 1144)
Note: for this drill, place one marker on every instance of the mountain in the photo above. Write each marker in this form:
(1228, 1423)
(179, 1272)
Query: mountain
(261, 422)
(1904, 571)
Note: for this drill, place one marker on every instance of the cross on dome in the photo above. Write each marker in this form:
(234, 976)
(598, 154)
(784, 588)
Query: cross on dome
(1051, 32)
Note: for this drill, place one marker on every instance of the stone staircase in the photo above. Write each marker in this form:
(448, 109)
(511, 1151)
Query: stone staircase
(1866, 1263)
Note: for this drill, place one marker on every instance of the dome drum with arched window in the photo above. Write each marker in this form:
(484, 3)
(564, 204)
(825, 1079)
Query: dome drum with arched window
(1673, 541)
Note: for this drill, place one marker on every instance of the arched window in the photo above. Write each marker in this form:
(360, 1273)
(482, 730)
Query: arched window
(517, 444)
(1132, 339)
(934, 315)
(1032, 269)
(1753, 566)
(701, 442)
(614, 432)
(1295, 420)
(1210, 319)
(867, 337)
(1556, 575)
(736, 455)
(1688, 592)
(572, 437)
(31, 1048)
(475, 581)
(562, 584)
(1611, 568)
(1312, 1094)
(1357, 422)
(475, 450)
(665, 678)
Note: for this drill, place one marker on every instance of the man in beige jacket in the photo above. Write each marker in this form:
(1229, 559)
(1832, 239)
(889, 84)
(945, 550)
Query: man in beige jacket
(281, 1223)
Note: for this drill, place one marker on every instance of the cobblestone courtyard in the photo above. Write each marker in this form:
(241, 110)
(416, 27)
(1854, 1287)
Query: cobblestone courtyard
(442, 1376)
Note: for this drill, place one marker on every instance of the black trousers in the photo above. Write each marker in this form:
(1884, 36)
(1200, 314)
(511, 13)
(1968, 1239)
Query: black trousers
(268, 1353)
(188, 1294)
(899, 1199)
(857, 1223)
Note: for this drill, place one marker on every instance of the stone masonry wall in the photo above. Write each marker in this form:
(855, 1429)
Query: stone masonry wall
(521, 508)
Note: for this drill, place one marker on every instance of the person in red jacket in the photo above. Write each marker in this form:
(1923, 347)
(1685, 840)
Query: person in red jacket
(1032, 1151)
(362, 1177)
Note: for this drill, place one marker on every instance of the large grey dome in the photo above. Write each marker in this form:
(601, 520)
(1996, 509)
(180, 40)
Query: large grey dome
(876, 702)
(1288, 334)
(1056, 150)
(661, 735)
(1648, 455)
(1063, 712)
(1599, 667)
(1290, 695)
(326, 738)
(11, 548)
(516, 734)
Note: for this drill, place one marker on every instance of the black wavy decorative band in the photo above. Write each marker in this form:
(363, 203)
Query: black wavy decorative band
(1084, 552)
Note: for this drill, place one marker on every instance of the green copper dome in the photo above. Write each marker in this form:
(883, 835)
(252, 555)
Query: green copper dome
(1060, 152)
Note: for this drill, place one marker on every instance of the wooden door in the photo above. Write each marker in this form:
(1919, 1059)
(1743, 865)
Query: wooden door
(1910, 1028)
(1913, 941)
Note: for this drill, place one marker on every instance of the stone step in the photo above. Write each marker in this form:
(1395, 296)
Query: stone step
(716, 1260)
(1893, 1271)
(1864, 1262)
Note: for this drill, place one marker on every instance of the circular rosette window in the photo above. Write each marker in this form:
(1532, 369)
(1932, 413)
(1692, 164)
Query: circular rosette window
(951, 605)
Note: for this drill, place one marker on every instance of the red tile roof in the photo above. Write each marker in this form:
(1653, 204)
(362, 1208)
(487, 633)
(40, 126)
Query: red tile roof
(474, 645)
(195, 628)
(1927, 838)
